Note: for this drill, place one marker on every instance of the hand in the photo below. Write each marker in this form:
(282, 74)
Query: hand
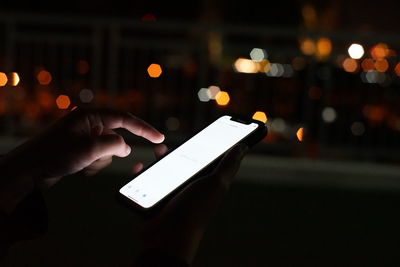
(83, 140)
(178, 229)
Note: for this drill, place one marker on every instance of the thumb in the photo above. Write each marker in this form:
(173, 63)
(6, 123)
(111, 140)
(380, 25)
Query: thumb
(109, 145)
(230, 163)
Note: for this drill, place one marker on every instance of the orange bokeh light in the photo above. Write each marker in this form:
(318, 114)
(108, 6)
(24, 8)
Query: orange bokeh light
(397, 69)
(45, 99)
(44, 77)
(3, 79)
(381, 65)
(14, 79)
(374, 113)
(154, 70)
(260, 116)
(379, 51)
(324, 47)
(63, 101)
(368, 64)
(222, 98)
(300, 134)
(350, 65)
(307, 46)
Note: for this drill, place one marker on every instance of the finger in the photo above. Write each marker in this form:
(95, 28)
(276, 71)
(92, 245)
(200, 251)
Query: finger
(117, 119)
(160, 150)
(137, 167)
(230, 163)
(97, 165)
(109, 145)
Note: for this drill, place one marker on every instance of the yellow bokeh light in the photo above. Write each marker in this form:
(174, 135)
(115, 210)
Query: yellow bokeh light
(307, 46)
(44, 77)
(300, 134)
(63, 101)
(3, 79)
(245, 65)
(222, 98)
(350, 65)
(154, 70)
(260, 116)
(14, 79)
(356, 51)
(381, 65)
(324, 47)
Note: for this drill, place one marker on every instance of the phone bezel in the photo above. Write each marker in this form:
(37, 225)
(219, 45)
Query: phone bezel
(250, 140)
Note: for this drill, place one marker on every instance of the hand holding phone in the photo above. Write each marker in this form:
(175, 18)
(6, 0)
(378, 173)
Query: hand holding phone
(171, 172)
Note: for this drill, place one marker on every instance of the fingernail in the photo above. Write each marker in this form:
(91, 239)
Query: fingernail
(128, 150)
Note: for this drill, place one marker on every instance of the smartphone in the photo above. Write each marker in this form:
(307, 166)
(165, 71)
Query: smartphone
(171, 172)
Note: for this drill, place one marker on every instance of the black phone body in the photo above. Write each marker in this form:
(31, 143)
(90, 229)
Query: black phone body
(166, 176)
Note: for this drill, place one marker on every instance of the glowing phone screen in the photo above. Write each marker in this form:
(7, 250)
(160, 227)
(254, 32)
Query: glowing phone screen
(177, 167)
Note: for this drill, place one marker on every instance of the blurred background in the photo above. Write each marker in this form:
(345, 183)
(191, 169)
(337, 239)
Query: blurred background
(323, 75)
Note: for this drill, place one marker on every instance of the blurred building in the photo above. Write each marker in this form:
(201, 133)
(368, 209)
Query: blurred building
(324, 76)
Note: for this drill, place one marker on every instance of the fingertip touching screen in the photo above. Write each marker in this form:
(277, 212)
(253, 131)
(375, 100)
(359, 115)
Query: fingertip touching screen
(187, 160)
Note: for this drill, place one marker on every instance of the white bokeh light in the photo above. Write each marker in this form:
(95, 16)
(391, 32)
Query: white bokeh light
(329, 114)
(258, 54)
(86, 96)
(356, 51)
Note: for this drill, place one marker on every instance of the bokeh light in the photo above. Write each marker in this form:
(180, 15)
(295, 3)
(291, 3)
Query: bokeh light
(15, 79)
(86, 96)
(299, 63)
(3, 79)
(44, 77)
(275, 70)
(307, 46)
(381, 65)
(278, 125)
(368, 64)
(213, 91)
(154, 70)
(329, 114)
(379, 51)
(324, 47)
(203, 95)
(245, 65)
(397, 69)
(258, 54)
(374, 76)
(222, 98)
(63, 101)
(260, 116)
(350, 65)
(356, 51)
(300, 134)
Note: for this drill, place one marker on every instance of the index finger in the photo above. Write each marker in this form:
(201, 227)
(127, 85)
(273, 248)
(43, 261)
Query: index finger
(117, 119)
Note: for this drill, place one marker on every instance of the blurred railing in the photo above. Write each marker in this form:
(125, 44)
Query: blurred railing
(302, 81)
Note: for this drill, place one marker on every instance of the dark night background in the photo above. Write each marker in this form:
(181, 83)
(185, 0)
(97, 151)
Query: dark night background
(328, 197)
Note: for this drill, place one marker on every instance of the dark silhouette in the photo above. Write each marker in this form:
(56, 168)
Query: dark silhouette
(84, 141)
